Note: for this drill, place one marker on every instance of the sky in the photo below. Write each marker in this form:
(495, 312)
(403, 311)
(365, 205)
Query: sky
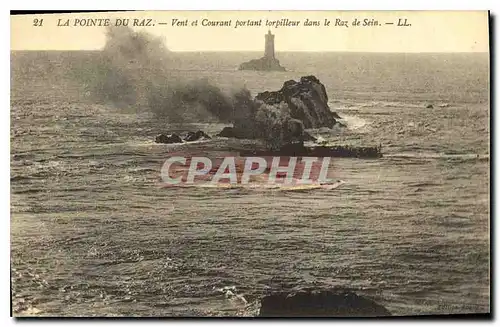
(430, 31)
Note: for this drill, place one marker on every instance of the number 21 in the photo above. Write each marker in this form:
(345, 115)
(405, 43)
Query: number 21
(37, 22)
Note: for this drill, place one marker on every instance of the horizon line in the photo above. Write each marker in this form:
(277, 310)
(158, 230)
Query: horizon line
(259, 51)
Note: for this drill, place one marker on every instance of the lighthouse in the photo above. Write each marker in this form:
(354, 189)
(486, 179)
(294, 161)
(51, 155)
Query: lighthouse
(269, 49)
(266, 63)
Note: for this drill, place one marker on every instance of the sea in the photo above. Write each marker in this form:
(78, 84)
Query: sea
(93, 233)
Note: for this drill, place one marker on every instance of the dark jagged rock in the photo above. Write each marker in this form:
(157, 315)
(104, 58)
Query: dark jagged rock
(306, 101)
(227, 132)
(336, 115)
(262, 64)
(168, 138)
(281, 117)
(195, 136)
(306, 137)
(324, 303)
(294, 131)
(232, 132)
(429, 106)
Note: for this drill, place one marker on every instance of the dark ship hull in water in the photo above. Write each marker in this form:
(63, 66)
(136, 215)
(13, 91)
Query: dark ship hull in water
(299, 150)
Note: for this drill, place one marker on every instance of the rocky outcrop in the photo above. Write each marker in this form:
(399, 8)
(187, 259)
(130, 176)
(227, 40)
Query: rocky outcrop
(227, 132)
(196, 136)
(262, 64)
(306, 100)
(168, 138)
(174, 138)
(281, 117)
(324, 303)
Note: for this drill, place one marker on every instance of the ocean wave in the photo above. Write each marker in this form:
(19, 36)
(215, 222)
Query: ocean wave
(259, 186)
(351, 105)
(355, 123)
(429, 155)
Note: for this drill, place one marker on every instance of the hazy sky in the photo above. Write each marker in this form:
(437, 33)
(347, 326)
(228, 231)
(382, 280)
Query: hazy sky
(430, 31)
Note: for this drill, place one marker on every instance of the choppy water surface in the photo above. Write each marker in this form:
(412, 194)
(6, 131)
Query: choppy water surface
(93, 233)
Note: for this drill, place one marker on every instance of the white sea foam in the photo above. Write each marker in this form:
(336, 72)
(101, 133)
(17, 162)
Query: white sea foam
(355, 123)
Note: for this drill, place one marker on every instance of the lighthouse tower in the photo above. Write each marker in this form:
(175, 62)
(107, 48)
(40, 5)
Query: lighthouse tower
(269, 49)
(266, 63)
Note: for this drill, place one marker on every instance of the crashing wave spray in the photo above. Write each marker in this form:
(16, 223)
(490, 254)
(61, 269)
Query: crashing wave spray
(134, 70)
